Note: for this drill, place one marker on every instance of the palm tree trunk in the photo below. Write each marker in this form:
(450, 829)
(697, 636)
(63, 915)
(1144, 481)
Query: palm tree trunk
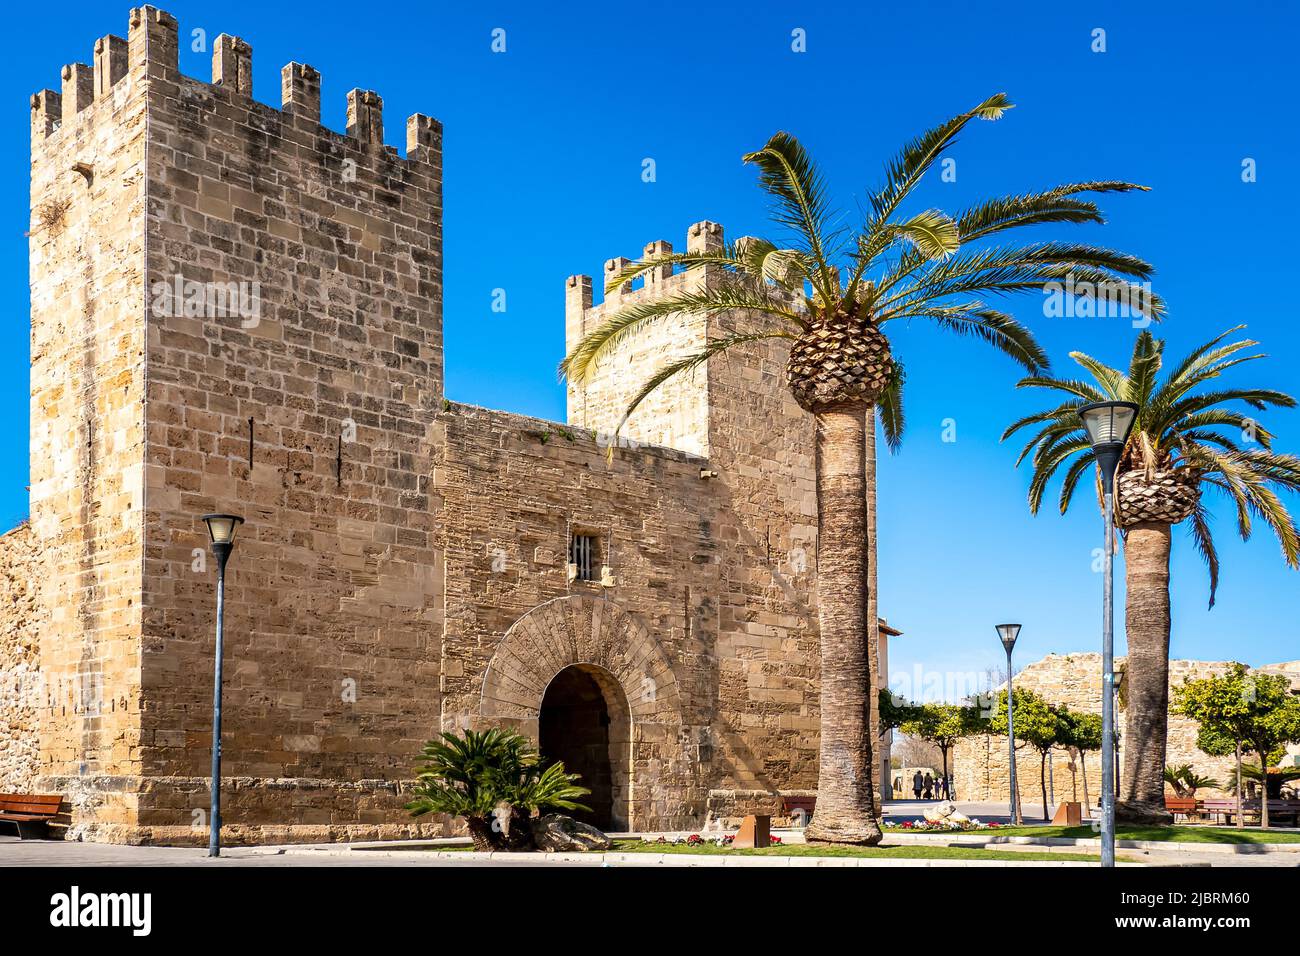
(1146, 673)
(845, 791)
(485, 839)
(873, 600)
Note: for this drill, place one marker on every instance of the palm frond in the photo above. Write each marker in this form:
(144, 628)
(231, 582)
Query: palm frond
(606, 337)
(906, 170)
(933, 234)
(1046, 466)
(1050, 206)
(789, 175)
(1112, 381)
(1078, 468)
(890, 405)
(995, 328)
(1204, 541)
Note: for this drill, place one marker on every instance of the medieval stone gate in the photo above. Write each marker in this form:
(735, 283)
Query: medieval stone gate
(607, 646)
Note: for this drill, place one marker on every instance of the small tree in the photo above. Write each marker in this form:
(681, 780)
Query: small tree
(894, 711)
(1186, 781)
(478, 774)
(943, 725)
(1255, 712)
(1037, 723)
(1081, 733)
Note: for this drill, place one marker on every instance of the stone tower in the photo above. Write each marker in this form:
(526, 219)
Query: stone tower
(233, 309)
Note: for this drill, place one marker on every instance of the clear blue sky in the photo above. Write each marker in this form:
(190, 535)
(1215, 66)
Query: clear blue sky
(544, 151)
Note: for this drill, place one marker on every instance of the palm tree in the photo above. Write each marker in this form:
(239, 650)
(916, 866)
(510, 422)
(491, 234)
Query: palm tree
(829, 293)
(1187, 438)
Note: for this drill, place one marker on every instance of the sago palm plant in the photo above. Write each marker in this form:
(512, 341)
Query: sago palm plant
(1186, 781)
(480, 775)
(1191, 434)
(830, 292)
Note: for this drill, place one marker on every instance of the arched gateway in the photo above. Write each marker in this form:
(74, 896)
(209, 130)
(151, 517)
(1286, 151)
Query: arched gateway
(583, 678)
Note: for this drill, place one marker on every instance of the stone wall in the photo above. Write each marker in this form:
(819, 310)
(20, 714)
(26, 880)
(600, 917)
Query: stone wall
(309, 410)
(981, 763)
(86, 250)
(673, 542)
(21, 688)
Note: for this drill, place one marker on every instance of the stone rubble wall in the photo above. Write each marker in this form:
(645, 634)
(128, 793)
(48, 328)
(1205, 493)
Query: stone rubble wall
(981, 764)
(21, 691)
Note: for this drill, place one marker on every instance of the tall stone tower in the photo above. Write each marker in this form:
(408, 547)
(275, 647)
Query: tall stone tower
(233, 309)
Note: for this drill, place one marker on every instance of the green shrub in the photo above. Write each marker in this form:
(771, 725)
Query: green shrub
(486, 777)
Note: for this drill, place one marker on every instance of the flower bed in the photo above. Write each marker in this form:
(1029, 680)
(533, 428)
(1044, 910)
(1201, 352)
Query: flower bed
(722, 840)
(942, 826)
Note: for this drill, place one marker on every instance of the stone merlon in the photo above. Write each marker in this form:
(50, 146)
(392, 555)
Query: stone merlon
(150, 51)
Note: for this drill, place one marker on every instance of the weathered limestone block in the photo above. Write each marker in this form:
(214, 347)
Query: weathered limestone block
(556, 833)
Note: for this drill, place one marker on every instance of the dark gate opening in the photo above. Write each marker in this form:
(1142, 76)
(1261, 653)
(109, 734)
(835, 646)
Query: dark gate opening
(574, 726)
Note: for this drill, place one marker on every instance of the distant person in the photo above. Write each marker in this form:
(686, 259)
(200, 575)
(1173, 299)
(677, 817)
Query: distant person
(916, 784)
(898, 787)
(929, 786)
(944, 788)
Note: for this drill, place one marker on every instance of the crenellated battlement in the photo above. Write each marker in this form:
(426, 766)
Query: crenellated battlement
(150, 52)
(678, 416)
(580, 310)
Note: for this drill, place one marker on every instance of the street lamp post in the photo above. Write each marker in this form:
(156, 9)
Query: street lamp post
(1008, 633)
(221, 529)
(1119, 691)
(1108, 425)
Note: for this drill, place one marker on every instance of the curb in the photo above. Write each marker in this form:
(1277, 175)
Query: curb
(1165, 846)
(676, 859)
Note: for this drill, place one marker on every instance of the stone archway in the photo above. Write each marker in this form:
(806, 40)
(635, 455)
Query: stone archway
(584, 722)
(621, 657)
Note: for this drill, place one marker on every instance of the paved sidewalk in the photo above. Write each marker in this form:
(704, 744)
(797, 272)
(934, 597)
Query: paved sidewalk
(62, 853)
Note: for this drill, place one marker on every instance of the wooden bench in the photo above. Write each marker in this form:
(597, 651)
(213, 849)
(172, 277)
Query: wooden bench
(1279, 811)
(1180, 806)
(30, 813)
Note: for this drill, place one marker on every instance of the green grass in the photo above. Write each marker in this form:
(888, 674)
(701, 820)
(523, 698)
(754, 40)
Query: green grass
(886, 851)
(1163, 834)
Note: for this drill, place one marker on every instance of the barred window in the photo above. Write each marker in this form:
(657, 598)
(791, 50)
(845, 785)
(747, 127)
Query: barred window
(582, 554)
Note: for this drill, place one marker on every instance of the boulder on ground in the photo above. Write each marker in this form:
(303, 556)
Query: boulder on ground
(945, 812)
(554, 833)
